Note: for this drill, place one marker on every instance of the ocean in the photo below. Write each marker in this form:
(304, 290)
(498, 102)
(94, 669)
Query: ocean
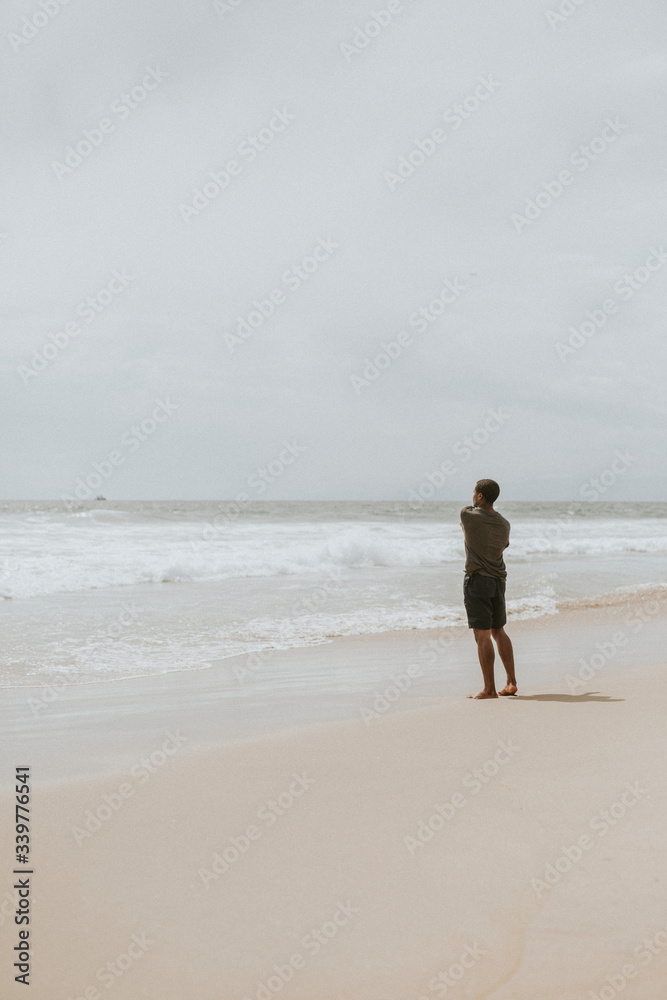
(103, 590)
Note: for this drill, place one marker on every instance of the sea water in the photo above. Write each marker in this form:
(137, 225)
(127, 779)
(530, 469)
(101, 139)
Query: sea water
(103, 590)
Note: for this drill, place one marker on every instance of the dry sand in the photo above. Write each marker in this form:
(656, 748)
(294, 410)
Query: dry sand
(318, 830)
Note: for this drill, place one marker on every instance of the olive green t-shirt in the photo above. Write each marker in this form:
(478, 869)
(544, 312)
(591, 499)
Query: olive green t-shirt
(487, 535)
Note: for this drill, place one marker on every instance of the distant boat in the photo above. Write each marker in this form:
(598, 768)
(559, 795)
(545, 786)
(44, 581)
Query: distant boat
(100, 498)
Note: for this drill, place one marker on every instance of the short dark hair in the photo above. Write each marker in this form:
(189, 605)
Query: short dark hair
(489, 489)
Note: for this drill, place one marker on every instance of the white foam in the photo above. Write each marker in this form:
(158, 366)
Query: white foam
(103, 549)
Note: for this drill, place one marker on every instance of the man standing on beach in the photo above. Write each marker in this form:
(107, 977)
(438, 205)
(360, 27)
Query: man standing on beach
(487, 535)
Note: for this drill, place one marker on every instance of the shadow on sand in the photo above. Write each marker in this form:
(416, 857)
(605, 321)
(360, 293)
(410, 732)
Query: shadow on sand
(567, 698)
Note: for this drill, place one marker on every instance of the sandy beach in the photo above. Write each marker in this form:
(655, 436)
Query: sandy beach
(333, 344)
(501, 850)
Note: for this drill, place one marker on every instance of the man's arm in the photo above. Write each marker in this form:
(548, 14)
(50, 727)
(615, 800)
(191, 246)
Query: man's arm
(466, 522)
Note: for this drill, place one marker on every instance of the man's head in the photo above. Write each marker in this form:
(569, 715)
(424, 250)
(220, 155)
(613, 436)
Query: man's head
(486, 493)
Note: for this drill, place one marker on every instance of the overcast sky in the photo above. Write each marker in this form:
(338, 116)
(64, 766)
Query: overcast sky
(335, 94)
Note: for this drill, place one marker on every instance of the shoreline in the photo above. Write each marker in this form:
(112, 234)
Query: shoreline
(83, 731)
(636, 601)
(376, 841)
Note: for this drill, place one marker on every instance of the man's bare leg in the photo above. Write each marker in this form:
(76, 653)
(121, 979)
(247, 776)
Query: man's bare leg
(487, 655)
(504, 644)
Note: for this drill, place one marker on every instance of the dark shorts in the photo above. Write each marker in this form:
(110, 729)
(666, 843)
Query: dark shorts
(484, 599)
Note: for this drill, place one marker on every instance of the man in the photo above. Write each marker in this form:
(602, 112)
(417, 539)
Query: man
(487, 535)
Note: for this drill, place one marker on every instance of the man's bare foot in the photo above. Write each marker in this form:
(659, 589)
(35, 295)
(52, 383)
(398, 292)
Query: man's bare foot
(483, 694)
(510, 689)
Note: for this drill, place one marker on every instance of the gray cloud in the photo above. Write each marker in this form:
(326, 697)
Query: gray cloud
(323, 177)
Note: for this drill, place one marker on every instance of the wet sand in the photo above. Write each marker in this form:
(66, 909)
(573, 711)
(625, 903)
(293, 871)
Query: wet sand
(438, 847)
